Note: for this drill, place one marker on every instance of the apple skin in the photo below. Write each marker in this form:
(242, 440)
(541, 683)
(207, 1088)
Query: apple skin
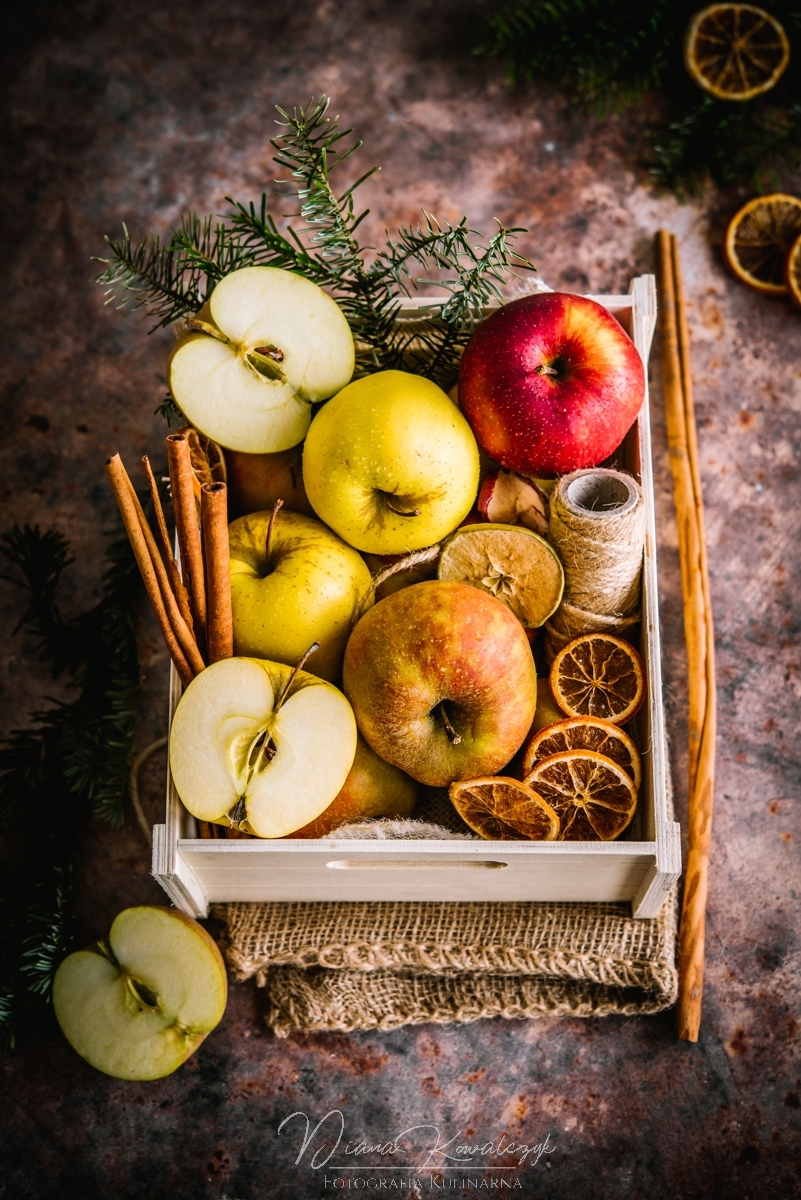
(550, 424)
(441, 641)
(312, 593)
(373, 789)
(390, 463)
(256, 481)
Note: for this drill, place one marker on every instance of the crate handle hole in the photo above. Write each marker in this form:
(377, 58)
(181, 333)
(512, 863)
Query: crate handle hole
(371, 864)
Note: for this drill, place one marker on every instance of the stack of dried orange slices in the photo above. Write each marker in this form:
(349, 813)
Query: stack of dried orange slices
(581, 775)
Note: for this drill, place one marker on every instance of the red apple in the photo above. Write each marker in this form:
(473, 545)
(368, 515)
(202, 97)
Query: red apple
(550, 383)
(442, 681)
(373, 789)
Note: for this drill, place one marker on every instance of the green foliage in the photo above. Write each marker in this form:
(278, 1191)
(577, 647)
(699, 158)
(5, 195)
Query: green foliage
(610, 52)
(172, 279)
(71, 763)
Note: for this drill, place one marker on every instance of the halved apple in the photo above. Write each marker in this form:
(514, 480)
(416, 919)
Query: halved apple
(260, 746)
(137, 1006)
(265, 347)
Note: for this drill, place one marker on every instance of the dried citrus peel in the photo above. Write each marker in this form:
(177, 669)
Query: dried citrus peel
(598, 675)
(593, 797)
(735, 51)
(503, 810)
(758, 241)
(585, 733)
(513, 564)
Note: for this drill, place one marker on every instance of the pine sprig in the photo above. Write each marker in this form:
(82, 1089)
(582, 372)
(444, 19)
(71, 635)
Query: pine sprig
(611, 52)
(171, 280)
(70, 763)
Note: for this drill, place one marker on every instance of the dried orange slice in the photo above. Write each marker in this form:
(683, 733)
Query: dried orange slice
(504, 810)
(585, 733)
(758, 240)
(597, 675)
(792, 271)
(735, 51)
(593, 797)
(208, 462)
(510, 562)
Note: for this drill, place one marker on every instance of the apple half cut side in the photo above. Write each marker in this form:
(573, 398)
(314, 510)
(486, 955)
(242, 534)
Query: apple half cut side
(260, 745)
(265, 347)
(137, 1006)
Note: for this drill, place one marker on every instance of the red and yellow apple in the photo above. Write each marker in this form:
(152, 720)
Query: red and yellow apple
(442, 681)
(373, 789)
(550, 383)
(256, 481)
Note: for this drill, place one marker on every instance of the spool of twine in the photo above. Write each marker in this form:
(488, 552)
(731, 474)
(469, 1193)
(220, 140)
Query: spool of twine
(597, 525)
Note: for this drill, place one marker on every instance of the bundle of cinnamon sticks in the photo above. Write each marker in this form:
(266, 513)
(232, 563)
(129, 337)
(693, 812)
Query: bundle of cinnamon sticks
(192, 601)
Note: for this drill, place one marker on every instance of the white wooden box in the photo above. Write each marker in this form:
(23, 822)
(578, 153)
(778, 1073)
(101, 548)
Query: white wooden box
(641, 867)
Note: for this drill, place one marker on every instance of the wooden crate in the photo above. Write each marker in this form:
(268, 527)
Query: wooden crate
(641, 867)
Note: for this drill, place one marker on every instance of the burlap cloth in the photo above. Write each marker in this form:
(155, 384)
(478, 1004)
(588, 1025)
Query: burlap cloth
(337, 966)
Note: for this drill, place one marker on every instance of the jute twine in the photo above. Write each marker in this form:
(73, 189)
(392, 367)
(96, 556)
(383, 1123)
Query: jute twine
(597, 524)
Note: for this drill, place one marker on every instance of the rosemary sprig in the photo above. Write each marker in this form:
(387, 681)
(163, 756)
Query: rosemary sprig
(170, 280)
(71, 762)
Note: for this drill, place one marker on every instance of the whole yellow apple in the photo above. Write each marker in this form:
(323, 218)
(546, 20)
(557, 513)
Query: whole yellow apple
(390, 463)
(308, 590)
(373, 788)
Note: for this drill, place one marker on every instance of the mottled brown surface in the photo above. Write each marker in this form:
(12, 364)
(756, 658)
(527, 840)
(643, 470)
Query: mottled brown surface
(136, 111)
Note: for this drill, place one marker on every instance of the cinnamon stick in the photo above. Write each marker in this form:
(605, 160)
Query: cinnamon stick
(120, 485)
(186, 526)
(219, 620)
(699, 632)
(179, 591)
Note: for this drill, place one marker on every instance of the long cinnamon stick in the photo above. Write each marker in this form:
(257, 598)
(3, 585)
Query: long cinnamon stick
(699, 632)
(118, 479)
(179, 591)
(186, 525)
(219, 620)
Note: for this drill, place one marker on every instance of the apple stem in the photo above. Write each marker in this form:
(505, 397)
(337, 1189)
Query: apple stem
(199, 326)
(543, 370)
(453, 737)
(314, 646)
(268, 545)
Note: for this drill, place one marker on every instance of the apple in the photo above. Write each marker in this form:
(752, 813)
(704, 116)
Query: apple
(256, 481)
(266, 346)
(308, 589)
(390, 463)
(260, 746)
(550, 383)
(507, 498)
(442, 681)
(374, 788)
(138, 1005)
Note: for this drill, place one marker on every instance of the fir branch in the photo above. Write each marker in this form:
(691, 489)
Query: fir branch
(612, 51)
(169, 281)
(145, 276)
(70, 763)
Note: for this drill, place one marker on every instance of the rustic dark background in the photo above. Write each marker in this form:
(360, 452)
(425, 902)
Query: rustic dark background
(138, 111)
